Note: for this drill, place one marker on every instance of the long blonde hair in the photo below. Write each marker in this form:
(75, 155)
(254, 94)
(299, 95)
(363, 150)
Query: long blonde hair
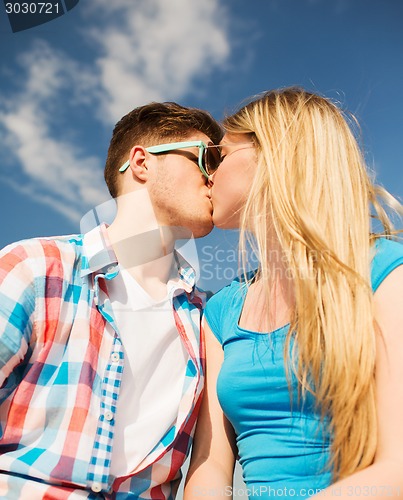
(312, 188)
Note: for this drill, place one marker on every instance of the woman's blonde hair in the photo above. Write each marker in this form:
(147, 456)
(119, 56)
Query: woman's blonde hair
(313, 191)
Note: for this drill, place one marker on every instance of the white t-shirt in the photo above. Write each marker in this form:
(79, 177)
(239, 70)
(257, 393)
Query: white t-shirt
(153, 375)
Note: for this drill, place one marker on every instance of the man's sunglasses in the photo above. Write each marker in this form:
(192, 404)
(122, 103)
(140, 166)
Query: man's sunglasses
(208, 161)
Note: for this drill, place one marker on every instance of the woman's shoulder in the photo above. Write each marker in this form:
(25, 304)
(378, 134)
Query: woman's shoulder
(225, 306)
(387, 255)
(222, 298)
(235, 290)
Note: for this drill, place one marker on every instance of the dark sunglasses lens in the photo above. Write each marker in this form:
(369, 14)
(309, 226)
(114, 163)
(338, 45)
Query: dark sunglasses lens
(212, 159)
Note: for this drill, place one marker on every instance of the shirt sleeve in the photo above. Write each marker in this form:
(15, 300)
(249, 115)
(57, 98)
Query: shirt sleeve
(214, 311)
(388, 256)
(17, 304)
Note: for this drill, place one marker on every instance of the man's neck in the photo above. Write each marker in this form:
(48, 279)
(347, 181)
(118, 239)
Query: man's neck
(141, 245)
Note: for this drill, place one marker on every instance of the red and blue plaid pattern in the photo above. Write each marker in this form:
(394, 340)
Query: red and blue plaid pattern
(61, 362)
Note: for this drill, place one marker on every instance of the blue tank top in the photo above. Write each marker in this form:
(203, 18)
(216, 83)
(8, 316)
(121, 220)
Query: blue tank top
(283, 445)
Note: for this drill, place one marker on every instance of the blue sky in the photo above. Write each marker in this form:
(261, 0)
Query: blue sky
(64, 84)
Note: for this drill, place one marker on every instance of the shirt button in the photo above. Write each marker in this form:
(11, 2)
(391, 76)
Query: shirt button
(108, 415)
(115, 357)
(96, 487)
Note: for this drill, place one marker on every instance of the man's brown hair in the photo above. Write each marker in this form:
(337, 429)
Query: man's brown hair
(152, 124)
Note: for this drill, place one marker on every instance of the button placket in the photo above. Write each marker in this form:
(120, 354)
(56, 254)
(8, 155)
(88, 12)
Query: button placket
(99, 471)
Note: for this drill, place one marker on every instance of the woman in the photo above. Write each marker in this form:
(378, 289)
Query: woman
(306, 352)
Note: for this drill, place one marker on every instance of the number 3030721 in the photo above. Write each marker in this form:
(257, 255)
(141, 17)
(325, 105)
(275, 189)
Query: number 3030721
(32, 8)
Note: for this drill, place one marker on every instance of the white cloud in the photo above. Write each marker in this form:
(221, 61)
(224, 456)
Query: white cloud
(53, 170)
(156, 49)
(142, 51)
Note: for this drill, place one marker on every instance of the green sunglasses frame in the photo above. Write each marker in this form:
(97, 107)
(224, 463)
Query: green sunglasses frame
(165, 148)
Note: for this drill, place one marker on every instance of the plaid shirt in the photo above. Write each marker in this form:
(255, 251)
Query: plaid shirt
(61, 362)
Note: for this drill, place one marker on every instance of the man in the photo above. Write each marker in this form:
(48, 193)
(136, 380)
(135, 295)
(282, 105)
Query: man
(100, 350)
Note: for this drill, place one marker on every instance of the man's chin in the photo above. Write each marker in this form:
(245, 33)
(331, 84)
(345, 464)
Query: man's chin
(203, 230)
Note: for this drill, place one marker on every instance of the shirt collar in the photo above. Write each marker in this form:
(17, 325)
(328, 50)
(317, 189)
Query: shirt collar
(187, 274)
(98, 255)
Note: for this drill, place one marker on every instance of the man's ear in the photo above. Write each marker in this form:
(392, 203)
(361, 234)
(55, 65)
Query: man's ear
(138, 165)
